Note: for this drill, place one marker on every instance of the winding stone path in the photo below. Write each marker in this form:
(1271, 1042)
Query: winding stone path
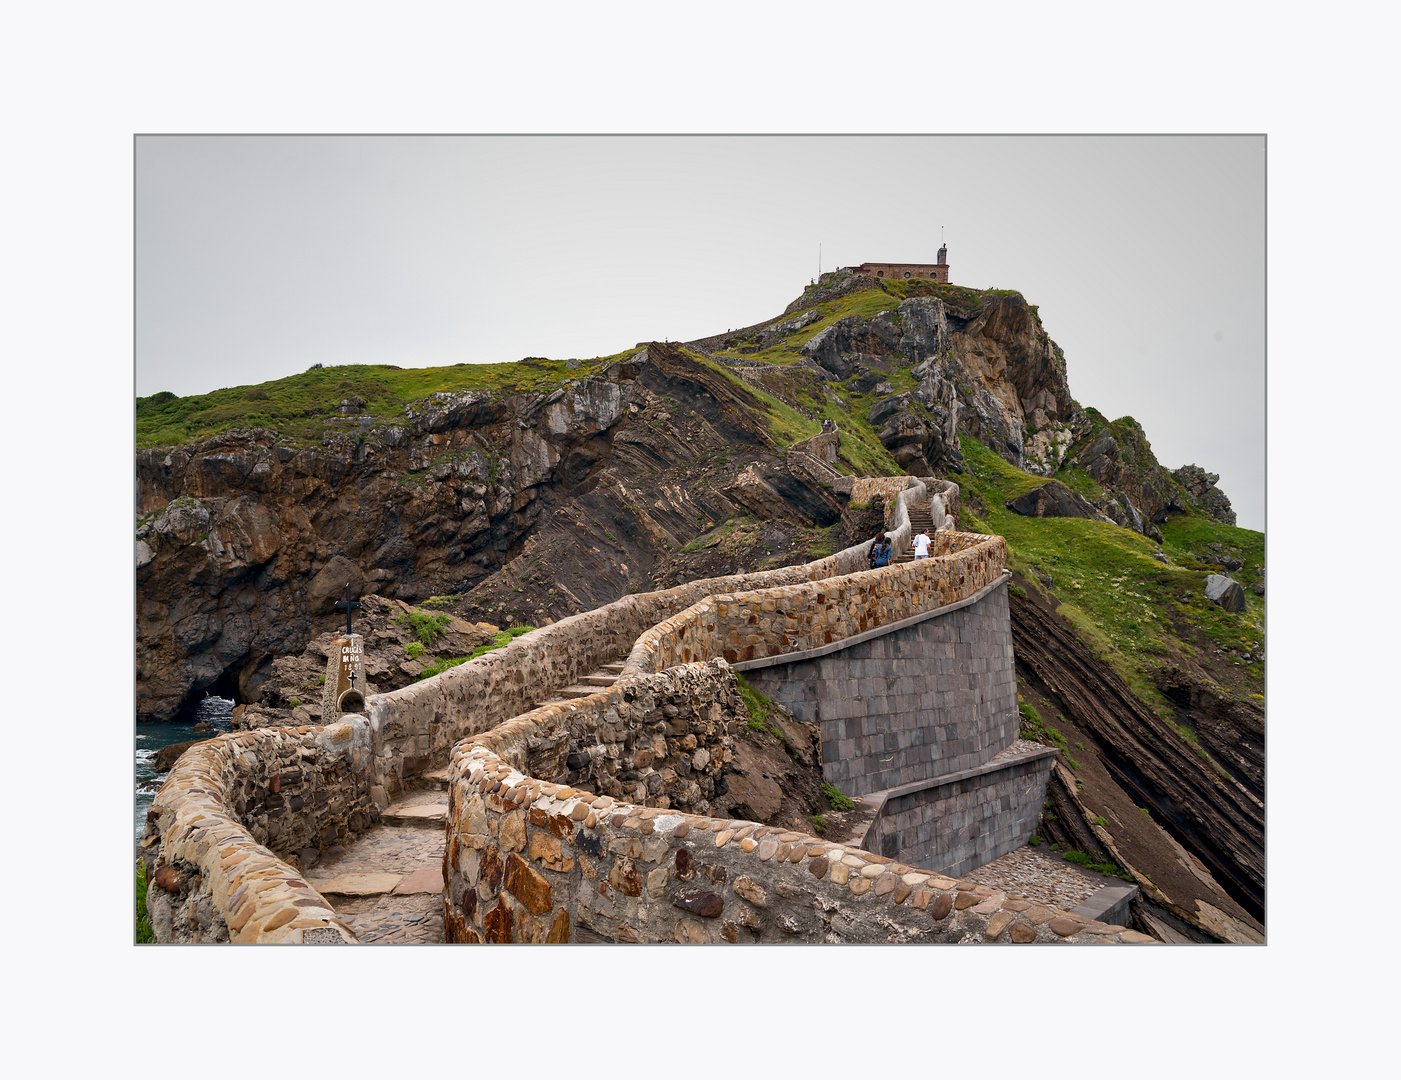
(387, 884)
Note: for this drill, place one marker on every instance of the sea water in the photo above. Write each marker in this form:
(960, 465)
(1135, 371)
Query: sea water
(215, 711)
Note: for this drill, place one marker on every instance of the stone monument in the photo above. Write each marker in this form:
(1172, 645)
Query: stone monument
(345, 670)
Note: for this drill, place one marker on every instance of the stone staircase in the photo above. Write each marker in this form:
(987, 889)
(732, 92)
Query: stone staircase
(592, 683)
(387, 883)
(921, 520)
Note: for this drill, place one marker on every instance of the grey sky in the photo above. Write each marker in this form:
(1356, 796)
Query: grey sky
(257, 257)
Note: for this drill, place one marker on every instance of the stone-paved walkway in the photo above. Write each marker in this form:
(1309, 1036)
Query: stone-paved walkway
(1040, 876)
(388, 883)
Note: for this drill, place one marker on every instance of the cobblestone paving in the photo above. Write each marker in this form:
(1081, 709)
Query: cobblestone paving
(1039, 876)
(385, 849)
(392, 919)
(396, 920)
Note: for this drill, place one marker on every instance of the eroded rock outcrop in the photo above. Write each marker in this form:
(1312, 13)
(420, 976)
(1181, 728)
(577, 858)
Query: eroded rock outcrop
(1201, 486)
(989, 371)
(245, 542)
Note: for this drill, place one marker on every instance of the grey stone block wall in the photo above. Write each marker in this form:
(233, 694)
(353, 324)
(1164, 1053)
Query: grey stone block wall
(955, 828)
(931, 699)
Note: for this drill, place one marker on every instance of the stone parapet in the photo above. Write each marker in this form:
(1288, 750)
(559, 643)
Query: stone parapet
(533, 861)
(415, 727)
(230, 808)
(793, 618)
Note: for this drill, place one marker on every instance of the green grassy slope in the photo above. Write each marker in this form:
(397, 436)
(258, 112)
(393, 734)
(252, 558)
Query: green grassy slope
(299, 406)
(1135, 611)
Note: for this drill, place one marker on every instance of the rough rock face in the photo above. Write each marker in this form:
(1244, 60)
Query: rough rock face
(1201, 485)
(991, 372)
(244, 543)
(1051, 499)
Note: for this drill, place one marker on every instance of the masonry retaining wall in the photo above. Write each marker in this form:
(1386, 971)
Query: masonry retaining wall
(959, 823)
(935, 697)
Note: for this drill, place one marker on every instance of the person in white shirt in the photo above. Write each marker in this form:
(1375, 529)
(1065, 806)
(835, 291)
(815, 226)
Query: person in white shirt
(922, 545)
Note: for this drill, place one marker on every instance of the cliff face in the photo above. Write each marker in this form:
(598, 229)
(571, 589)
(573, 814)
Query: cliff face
(991, 373)
(533, 505)
(244, 543)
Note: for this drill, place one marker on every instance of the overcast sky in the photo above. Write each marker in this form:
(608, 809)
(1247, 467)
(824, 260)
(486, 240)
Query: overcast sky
(257, 257)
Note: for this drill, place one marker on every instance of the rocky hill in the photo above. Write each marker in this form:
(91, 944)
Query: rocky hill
(518, 493)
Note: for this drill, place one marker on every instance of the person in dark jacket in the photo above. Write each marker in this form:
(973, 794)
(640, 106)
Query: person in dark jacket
(880, 551)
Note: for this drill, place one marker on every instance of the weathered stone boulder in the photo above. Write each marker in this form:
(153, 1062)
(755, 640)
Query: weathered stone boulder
(1226, 592)
(165, 758)
(1052, 499)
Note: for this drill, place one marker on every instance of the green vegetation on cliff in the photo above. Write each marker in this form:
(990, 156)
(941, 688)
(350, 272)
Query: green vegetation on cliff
(503, 638)
(1133, 610)
(304, 407)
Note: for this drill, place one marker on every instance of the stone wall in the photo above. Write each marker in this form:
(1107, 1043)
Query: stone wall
(931, 698)
(529, 860)
(224, 816)
(958, 823)
(795, 618)
(659, 740)
(416, 726)
(232, 810)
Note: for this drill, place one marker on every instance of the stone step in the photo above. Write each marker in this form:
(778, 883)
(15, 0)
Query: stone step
(615, 668)
(436, 778)
(575, 691)
(418, 815)
(372, 884)
(599, 678)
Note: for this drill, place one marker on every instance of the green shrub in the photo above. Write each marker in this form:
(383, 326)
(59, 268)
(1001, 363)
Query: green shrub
(1034, 840)
(504, 637)
(427, 628)
(759, 707)
(819, 823)
(414, 649)
(1017, 591)
(836, 798)
(294, 703)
